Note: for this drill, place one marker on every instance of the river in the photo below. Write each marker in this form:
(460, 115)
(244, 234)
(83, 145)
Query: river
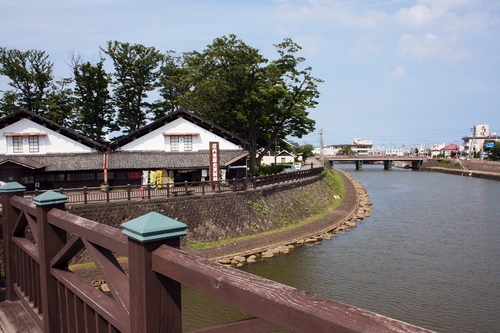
(428, 255)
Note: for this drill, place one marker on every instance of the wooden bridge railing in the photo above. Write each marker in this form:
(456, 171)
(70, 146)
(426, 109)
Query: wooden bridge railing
(40, 239)
(132, 192)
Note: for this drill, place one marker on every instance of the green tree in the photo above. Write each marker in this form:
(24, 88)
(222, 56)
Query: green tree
(136, 74)
(234, 86)
(95, 116)
(493, 152)
(8, 103)
(60, 103)
(31, 77)
(171, 85)
(346, 150)
(305, 150)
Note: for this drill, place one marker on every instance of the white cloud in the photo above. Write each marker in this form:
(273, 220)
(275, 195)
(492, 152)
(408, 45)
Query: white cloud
(429, 45)
(414, 16)
(311, 44)
(344, 13)
(453, 14)
(366, 44)
(474, 20)
(399, 74)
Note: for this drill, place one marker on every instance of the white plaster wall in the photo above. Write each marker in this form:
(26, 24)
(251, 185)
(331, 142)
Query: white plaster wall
(52, 142)
(159, 142)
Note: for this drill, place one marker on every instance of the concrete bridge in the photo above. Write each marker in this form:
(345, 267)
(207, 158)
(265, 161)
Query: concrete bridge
(416, 162)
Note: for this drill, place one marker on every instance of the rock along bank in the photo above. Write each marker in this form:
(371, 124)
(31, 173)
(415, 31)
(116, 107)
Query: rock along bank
(355, 206)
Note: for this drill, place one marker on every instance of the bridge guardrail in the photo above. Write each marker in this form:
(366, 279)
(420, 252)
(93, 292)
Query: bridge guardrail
(41, 238)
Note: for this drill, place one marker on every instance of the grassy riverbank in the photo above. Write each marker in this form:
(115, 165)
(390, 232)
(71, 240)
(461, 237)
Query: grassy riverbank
(332, 179)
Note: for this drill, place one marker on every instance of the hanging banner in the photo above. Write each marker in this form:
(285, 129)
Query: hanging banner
(214, 161)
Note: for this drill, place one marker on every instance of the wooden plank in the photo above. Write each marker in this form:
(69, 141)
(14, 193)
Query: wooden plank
(97, 300)
(32, 312)
(69, 250)
(36, 277)
(52, 240)
(70, 306)
(101, 325)
(112, 273)
(290, 308)
(26, 246)
(24, 205)
(63, 308)
(252, 325)
(80, 315)
(98, 233)
(155, 300)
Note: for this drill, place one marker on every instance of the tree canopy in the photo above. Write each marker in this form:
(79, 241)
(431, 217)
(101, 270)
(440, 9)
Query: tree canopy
(229, 83)
(305, 150)
(234, 86)
(95, 111)
(346, 150)
(493, 152)
(137, 69)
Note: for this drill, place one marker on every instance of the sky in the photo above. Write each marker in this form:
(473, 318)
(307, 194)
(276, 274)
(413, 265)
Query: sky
(397, 72)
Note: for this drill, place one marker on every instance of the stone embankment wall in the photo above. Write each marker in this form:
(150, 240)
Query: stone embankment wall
(484, 169)
(228, 215)
(356, 205)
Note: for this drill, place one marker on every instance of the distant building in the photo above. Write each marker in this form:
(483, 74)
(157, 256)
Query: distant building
(437, 149)
(41, 154)
(450, 151)
(281, 157)
(475, 143)
(359, 146)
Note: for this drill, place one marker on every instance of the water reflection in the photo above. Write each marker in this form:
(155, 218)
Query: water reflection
(429, 255)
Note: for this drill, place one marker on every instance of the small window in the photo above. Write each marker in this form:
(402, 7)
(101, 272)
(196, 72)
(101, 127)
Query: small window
(34, 146)
(81, 176)
(18, 144)
(188, 143)
(174, 143)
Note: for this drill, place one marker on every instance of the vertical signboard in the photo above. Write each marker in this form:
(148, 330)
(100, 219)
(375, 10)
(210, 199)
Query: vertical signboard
(214, 161)
(481, 130)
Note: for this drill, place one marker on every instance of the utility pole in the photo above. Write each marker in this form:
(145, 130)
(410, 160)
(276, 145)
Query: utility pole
(321, 144)
(471, 145)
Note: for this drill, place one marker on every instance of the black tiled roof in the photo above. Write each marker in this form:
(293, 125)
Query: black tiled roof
(138, 160)
(169, 160)
(63, 162)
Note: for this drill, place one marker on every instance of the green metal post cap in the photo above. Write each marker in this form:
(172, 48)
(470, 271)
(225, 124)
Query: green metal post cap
(50, 198)
(12, 187)
(154, 227)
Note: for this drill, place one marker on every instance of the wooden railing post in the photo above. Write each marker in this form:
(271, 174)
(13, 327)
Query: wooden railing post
(51, 240)
(85, 191)
(107, 193)
(155, 300)
(8, 220)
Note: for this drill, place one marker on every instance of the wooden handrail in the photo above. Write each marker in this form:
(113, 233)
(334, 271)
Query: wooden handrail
(288, 308)
(86, 195)
(148, 298)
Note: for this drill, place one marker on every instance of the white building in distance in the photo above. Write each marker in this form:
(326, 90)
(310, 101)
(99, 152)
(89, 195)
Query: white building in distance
(475, 143)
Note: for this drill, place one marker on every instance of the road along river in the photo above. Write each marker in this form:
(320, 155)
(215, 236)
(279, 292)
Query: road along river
(429, 255)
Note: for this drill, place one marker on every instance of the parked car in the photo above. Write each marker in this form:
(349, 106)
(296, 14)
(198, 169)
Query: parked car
(289, 168)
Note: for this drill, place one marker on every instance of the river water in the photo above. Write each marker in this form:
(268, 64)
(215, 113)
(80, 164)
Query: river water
(428, 255)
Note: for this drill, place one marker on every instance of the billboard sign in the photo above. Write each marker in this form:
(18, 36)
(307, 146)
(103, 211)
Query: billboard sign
(214, 161)
(481, 130)
(489, 145)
